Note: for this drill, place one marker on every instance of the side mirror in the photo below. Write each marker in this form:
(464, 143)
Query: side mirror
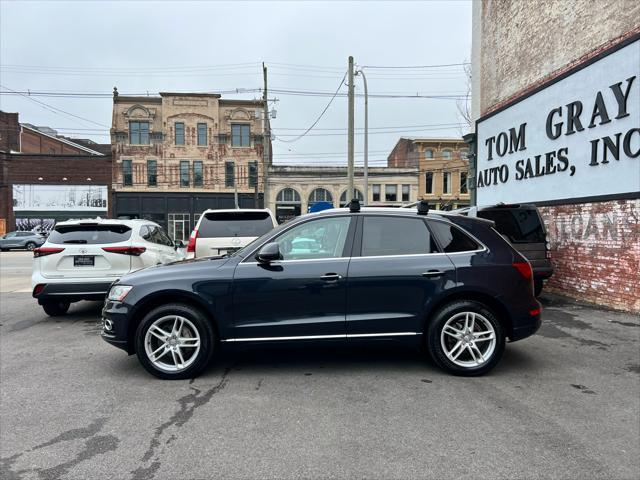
(269, 253)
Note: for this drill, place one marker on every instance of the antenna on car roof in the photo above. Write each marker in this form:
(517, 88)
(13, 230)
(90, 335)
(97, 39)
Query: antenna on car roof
(354, 205)
(423, 207)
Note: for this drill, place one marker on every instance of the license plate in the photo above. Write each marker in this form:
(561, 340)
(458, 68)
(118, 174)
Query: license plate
(83, 261)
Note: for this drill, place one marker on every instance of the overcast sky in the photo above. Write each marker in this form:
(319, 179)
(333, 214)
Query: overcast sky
(140, 47)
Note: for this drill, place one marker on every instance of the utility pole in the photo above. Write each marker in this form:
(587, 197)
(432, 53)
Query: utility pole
(266, 141)
(366, 137)
(350, 144)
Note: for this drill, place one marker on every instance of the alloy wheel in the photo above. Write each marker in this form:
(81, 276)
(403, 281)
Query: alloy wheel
(172, 343)
(468, 339)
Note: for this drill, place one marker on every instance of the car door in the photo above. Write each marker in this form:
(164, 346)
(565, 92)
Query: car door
(395, 271)
(302, 296)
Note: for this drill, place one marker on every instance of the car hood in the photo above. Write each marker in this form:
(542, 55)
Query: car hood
(184, 268)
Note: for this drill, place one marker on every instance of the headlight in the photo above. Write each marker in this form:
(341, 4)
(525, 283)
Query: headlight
(118, 292)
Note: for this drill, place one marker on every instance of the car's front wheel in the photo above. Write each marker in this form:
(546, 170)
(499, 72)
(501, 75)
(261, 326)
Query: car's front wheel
(175, 341)
(30, 246)
(55, 308)
(465, 338)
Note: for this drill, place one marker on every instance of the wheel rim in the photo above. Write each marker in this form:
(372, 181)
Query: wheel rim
(468, 339)
(172, 343)
(30, 246)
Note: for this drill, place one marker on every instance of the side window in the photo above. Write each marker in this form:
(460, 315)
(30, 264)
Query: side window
(323, 238)
(163, 238)
(452, 239)
(395, 236)
(145, 232)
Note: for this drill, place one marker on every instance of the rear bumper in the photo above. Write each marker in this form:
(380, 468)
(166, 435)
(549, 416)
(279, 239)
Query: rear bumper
(73, 292)
(526, 325)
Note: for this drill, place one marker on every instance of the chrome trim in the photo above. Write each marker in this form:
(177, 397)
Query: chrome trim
(278, 262)
(300, 337)
(392, 334)
(322, 337)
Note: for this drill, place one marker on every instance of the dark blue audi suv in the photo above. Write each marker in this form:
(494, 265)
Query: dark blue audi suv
(445, 282)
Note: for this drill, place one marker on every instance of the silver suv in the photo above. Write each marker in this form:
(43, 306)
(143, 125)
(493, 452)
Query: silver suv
(26, 240)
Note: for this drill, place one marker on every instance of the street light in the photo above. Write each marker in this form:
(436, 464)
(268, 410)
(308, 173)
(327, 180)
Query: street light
(366, 136)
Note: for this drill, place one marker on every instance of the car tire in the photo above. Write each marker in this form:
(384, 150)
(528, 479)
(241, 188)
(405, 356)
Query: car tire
(30, 246)
(465, 338)
(55, 308)
(537, 286)
(167, 348)
(4, 249)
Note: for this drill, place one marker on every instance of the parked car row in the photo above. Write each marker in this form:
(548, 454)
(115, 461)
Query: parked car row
(21, 240)
(340, 275)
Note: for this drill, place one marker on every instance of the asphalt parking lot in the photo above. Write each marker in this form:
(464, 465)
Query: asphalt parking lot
(562, 404)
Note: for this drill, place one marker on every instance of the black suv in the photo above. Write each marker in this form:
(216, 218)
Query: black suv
(448, 282)
(522, 225)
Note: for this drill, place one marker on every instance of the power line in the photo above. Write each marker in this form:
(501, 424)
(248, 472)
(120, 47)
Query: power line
(321, 114)
(55, 109)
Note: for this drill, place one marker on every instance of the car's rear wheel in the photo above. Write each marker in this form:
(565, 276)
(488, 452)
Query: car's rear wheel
(175, 341)
(30, 246)
(465, 338)
(55, 308)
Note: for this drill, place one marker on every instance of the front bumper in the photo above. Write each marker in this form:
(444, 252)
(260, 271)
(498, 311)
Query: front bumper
(73, 292)
(115, 325)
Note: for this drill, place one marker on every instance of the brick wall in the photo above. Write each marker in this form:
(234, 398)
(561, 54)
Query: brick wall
(595, 249)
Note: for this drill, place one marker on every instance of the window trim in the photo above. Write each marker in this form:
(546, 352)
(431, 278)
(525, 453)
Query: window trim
(149, 161)
(483, 248)
(130, 162)
(175, 134)
(206, 139)
(188, 163)
(241, 124)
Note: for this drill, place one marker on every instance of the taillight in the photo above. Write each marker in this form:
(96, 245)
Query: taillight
(37, 290)
(191, 246)
(44, 251)
(135, 251)
(524, 268)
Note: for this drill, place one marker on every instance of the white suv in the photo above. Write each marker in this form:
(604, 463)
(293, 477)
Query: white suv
(82, 258)
(224, 231)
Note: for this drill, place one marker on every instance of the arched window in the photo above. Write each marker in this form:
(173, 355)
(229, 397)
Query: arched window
(428, 153)
(446, 154)
(343, 197)
(288, 195)
(320, 195)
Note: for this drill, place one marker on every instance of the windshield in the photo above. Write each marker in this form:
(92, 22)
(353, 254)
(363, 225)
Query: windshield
(235, 224)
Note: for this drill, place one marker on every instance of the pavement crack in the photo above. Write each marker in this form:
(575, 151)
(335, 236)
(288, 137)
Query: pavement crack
(188, 405)
(94, 445)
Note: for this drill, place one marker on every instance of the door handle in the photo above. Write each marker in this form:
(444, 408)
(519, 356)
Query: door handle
(432, 273)
(331, 277)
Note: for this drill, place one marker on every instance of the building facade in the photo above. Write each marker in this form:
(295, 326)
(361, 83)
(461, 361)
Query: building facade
(177, 154)
(442, 166)
(558, 125)
(295, 188)
(45, 178)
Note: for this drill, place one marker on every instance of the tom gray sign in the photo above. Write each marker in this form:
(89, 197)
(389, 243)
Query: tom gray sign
(578, 137)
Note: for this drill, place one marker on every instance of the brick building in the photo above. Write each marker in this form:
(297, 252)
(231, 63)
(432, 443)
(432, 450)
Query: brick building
(558, 125)
(177, 154)
(442, 169)
(45, 178)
